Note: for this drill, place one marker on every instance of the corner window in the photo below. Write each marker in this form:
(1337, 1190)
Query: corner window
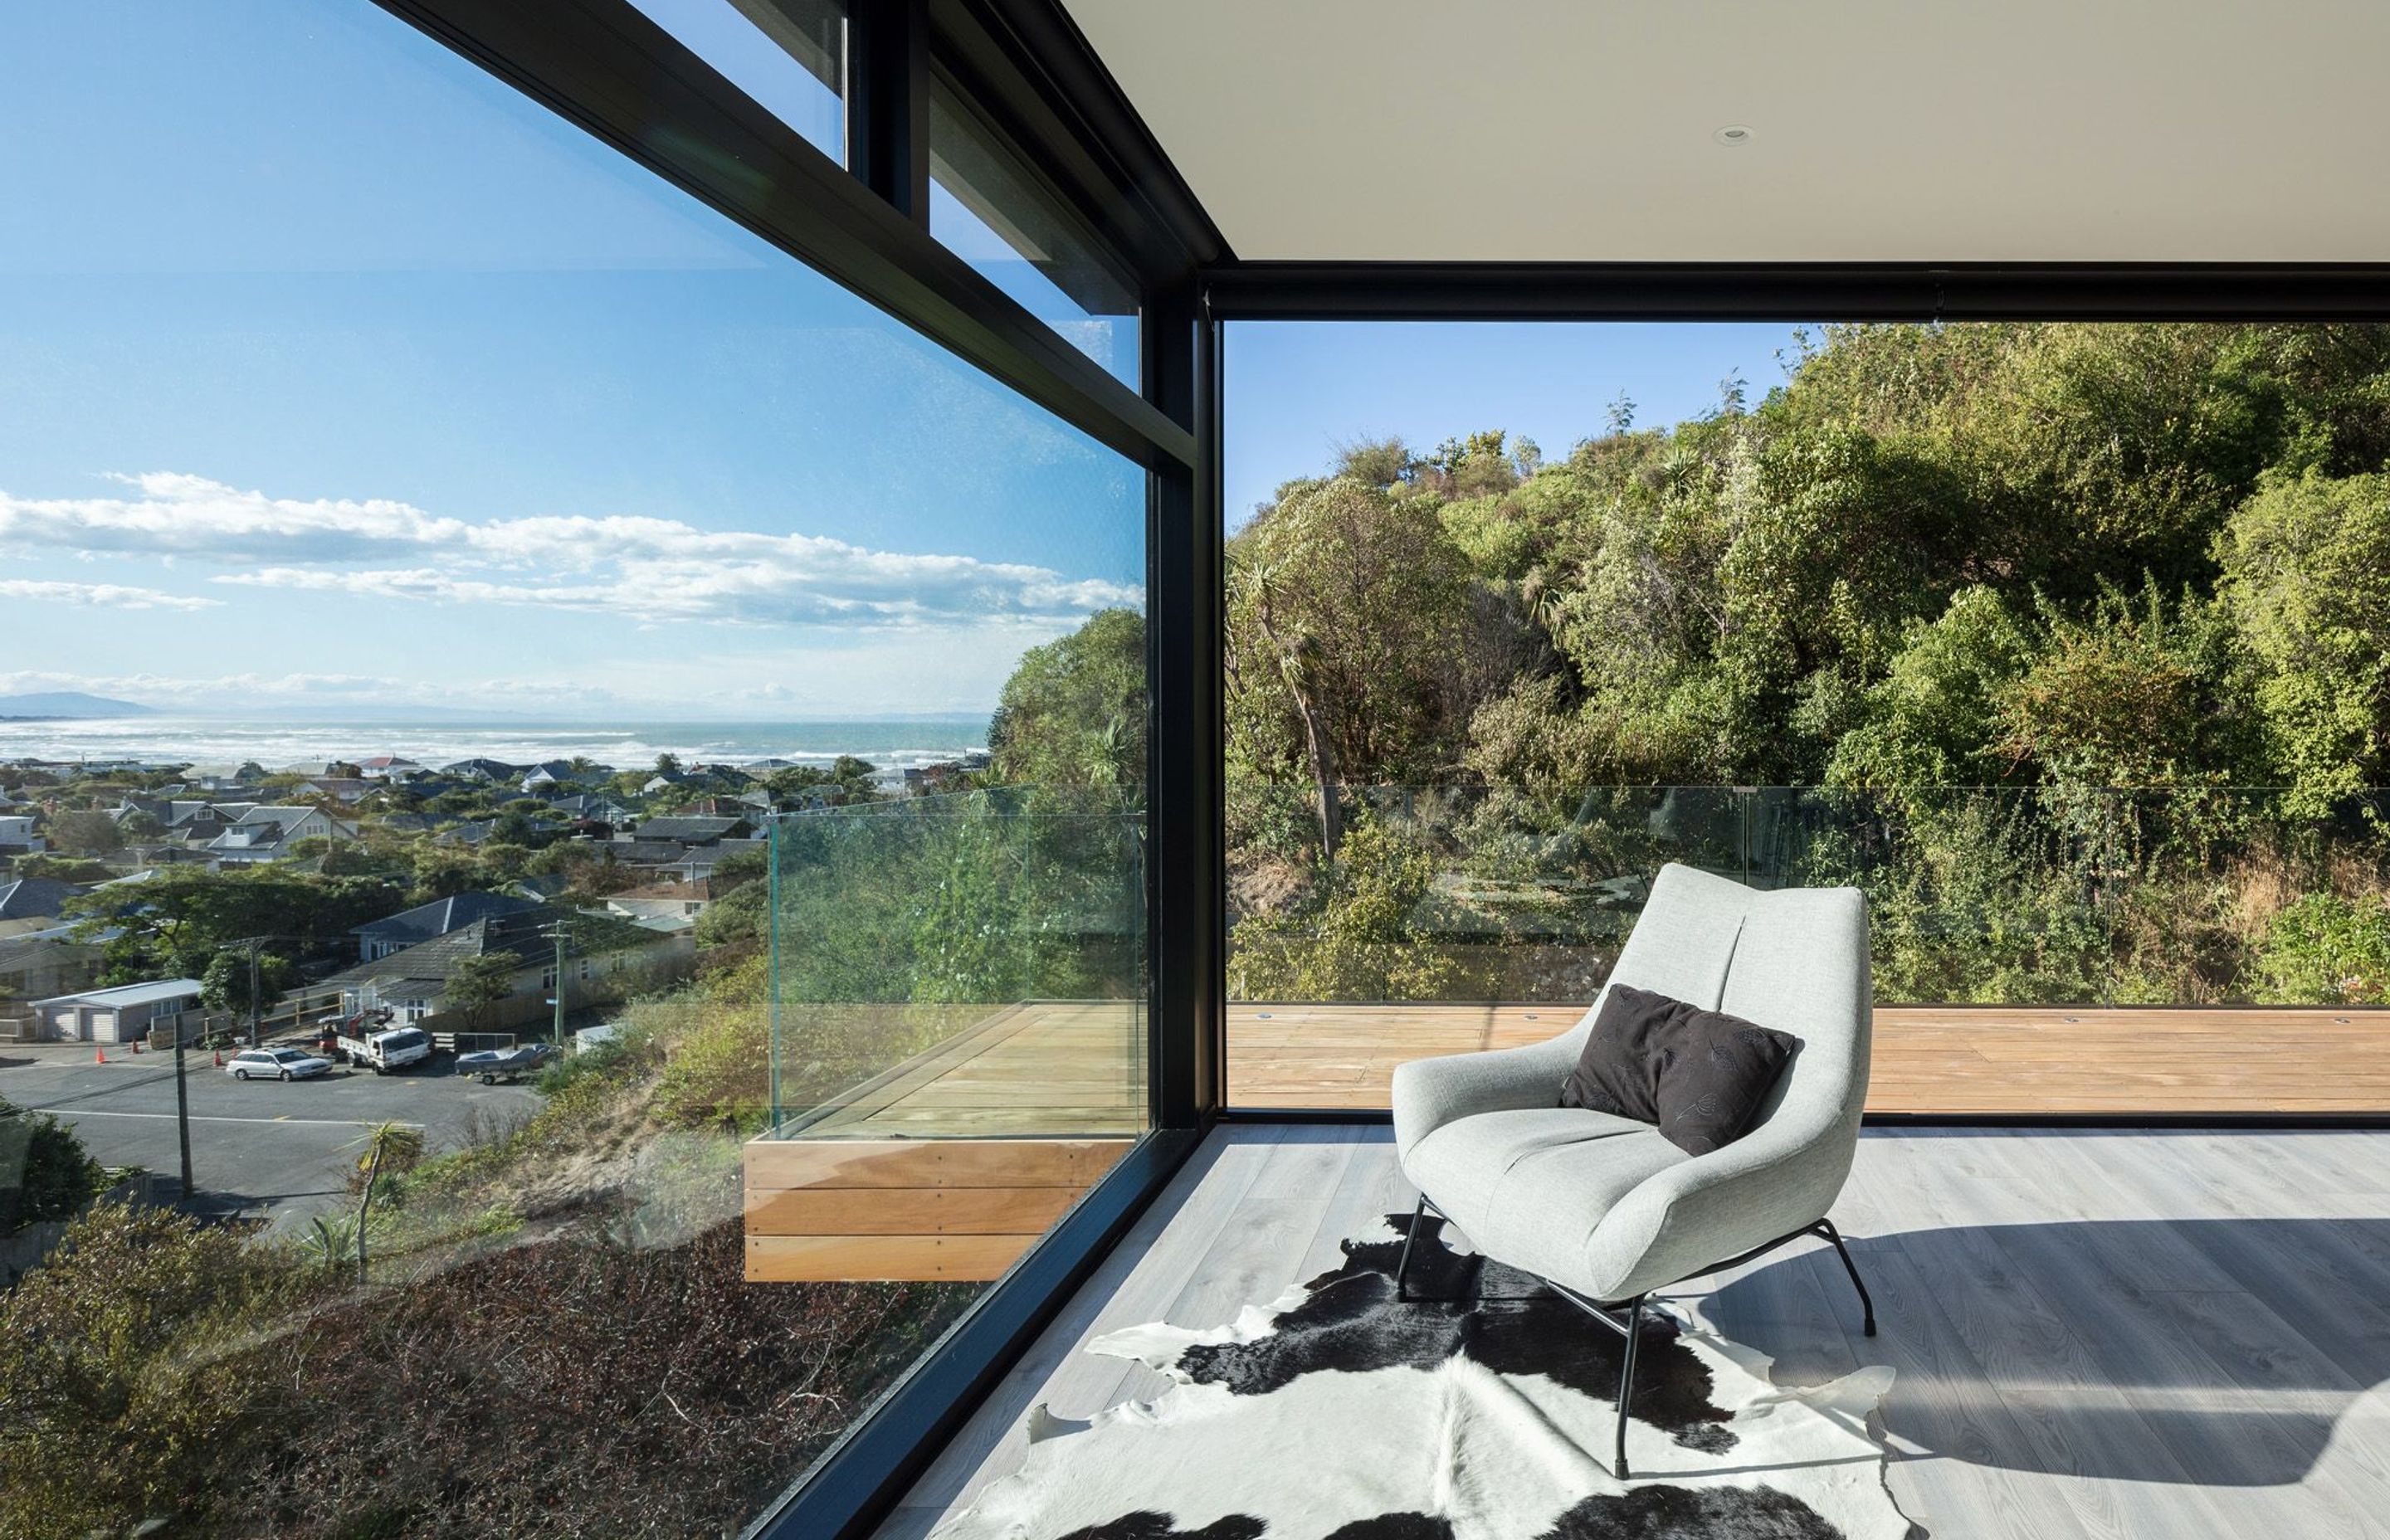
(990, 210)
(789, 55)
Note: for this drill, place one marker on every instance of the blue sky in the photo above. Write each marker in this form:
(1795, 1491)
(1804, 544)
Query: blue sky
(1296, 391)
(334, 373)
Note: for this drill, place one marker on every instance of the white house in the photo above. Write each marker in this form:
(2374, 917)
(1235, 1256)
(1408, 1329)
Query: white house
(121, 1015)
(17, 836)
(267, 833)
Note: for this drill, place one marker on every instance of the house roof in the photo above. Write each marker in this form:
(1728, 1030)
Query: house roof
(130, 995)
(442, 916)
(35, 897)
(522, 934)
(689, 832)
(16, 951)
(490, 769)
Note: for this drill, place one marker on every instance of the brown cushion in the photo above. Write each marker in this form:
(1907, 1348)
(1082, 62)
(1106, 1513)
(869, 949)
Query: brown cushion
(1699, 1074)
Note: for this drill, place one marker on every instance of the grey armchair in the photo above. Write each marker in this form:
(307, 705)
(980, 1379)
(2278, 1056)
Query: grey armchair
(1606, 1210)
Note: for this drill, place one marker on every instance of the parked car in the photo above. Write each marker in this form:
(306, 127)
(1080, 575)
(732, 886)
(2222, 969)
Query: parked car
(275, 1064)
(508, 1064)
(384, 1051)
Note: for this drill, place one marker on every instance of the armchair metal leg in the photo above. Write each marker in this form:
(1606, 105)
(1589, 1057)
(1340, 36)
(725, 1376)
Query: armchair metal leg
(1627, 1381)
(1825, 1228)
(1401, 1266)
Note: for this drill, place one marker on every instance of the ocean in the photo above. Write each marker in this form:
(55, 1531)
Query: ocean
(228, 740)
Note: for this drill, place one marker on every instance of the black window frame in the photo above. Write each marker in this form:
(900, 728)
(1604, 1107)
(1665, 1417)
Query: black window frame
(606, 66)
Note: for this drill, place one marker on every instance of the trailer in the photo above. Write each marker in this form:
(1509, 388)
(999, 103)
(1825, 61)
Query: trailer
(510, 1065)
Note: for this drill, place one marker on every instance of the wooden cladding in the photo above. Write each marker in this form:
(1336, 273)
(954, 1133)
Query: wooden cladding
(851, 1210)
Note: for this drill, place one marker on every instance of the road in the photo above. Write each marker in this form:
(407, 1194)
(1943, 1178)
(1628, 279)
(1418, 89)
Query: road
(261, 1148)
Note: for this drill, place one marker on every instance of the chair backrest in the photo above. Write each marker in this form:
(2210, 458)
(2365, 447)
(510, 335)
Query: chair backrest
(1791, 958)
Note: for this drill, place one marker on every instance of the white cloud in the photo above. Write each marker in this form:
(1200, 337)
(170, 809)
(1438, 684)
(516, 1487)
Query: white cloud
(223, 692)
(115, 596)
(647, 569)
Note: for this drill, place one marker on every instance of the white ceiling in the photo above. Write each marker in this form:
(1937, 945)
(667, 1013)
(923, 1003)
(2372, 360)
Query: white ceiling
(1881, 129)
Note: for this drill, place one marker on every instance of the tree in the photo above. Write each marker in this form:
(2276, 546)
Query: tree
(44, 1171)
(225, 985)
(84, 832)
(477, 983)
(2307, 582)
(389, 1148)
(182, 915)
(1073, 714)
(667, 764)
(1347, 613)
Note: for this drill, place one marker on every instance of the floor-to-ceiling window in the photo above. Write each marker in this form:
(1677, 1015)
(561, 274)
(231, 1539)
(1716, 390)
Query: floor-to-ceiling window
(2062, 641)
(451, 580)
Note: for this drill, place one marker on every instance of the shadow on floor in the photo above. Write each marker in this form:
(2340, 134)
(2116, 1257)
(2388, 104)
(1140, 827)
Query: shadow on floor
(2204, 1352)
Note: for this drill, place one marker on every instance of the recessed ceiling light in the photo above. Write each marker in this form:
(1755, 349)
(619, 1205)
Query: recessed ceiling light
(1733, 135)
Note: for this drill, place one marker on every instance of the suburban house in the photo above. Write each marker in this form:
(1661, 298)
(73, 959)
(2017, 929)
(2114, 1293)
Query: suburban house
(411, 927)
(267, 833)
(310, 768)
(546, 773)
(18, 835)
(124, 1014)
(588, 807)
(603, 956)
(661, 901)
(223, 777)
(346, 788)
(487, 771)
(700, 830)
(388, 767)
(40, 964)
(31, 904)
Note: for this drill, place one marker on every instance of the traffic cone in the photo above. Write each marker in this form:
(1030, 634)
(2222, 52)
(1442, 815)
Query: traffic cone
(219, 1058)
(99, 1056)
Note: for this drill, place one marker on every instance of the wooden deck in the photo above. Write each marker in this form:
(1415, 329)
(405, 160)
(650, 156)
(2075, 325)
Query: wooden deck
(2097, 1335)
(950, 1164)
(2017, 1060)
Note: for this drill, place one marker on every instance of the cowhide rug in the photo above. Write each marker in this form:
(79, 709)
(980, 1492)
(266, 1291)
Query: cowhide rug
(1482, 1409)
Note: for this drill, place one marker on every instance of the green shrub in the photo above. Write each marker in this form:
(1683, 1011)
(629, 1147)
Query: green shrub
(45, 1172)
(121, 1395)
(2323, 949)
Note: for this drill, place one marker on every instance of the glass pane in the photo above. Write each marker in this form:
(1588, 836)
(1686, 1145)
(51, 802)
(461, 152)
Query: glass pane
(2048, 637)
(435, 557)
(996, 214)
(1009, 1005)
(789, 55)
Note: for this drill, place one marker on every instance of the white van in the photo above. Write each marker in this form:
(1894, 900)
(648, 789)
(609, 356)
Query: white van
(384, 1051)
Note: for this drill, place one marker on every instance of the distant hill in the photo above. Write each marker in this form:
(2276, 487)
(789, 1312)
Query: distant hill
(69, 703)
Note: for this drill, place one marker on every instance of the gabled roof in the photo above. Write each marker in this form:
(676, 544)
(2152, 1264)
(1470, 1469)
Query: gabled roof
(523, 935)
(35, 897)
(442, 916)
(485, 769)
(286, 816)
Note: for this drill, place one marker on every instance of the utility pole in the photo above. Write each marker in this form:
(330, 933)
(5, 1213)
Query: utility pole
(183, 1108)
(559, 933)
(253, 943)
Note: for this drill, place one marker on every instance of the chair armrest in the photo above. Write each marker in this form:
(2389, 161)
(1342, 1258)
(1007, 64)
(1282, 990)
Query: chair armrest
(1771, 1183)
(1430, 1093)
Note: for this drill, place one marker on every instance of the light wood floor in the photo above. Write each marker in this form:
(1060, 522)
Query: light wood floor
(2114, 1335)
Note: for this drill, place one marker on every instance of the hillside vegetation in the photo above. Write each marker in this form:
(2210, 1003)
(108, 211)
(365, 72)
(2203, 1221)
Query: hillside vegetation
(2126, 585)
